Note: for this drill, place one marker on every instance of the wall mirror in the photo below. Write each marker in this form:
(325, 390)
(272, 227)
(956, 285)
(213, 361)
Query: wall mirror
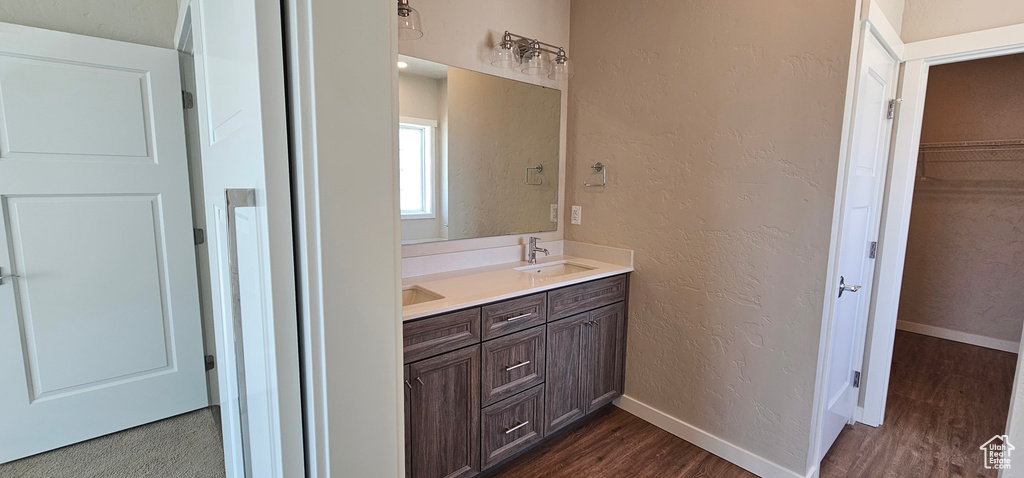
(478, 154)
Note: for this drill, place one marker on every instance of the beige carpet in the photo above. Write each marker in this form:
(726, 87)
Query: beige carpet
(187, 445)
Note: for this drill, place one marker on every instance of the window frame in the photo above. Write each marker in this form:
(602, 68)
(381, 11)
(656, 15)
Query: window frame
(429, 163)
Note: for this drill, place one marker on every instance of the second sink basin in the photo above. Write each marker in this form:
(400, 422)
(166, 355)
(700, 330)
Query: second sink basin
(555, 269)
(418, 295)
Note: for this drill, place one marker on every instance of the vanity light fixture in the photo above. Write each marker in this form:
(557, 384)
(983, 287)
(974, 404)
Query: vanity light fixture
(531, 56)
(402, 64)
(409, 27)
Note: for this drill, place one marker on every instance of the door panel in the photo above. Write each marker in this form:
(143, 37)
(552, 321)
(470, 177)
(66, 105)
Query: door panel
(41, 120)
(602, 356)
(76, 331)
(564, 395)
(862, 199)
(101, 331)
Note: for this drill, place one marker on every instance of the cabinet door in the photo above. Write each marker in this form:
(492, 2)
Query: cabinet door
(564, 397)
(445, 415)
(408, 421)
(602, 356)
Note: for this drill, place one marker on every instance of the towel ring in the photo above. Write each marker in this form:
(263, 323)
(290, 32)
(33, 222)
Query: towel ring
(604, 175)
(539, 168)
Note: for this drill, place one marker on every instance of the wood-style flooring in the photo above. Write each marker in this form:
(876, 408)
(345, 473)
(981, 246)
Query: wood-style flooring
(945, 400)
(615, 443)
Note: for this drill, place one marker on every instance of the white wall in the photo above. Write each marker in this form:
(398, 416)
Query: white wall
(149, 22)
(461, 33)
(345, 113)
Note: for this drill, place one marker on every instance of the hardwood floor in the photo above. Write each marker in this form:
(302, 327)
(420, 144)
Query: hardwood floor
(617, 444)
(945, 400)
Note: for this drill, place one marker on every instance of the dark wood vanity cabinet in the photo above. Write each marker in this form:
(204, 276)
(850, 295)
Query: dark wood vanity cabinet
(584, 364)
(521, 369)
(443, 415)
(604, 345)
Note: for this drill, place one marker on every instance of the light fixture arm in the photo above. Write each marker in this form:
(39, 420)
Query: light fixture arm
(532, 43)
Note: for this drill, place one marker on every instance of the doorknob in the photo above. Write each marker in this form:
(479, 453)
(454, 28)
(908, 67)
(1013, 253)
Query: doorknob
(8, 276)
(843, 287)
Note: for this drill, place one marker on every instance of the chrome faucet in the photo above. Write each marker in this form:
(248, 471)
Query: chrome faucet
(532, 251)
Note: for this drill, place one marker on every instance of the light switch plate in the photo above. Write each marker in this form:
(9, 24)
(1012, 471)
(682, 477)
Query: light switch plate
(554, 213)
(577, 215)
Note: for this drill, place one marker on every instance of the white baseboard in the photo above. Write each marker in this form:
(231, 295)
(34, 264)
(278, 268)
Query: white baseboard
(957, 336)
(723, 449)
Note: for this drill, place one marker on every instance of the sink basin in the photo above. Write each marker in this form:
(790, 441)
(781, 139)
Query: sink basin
(555, 269)
(418, 295)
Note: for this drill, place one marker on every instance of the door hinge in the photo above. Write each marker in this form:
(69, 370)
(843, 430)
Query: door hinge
(210, 362)
(199, 236)
(856, 379)
(891, 113)
(874, 250)
(187, 101)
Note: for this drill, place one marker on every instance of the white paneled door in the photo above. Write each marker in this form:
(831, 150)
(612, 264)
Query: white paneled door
(99, 325)
(869, 156)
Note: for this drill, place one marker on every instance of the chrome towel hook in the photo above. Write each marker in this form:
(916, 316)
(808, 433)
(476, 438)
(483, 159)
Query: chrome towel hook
(598, 167)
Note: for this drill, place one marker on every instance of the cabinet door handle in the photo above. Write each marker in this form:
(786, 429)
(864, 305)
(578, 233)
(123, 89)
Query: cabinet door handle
(407, 384)
(420, 380)
(522, 364)
(521, 425)
(523, 316)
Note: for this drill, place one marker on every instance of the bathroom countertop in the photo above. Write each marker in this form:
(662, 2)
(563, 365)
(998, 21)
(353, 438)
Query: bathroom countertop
(472, 287)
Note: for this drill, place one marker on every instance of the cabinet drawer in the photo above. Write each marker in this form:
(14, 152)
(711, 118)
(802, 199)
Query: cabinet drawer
(514, 315)
(583, 297)
(512, 364)
(437, 335)
(510, 426)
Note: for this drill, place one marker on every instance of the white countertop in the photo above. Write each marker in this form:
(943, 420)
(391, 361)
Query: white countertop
(472, 287)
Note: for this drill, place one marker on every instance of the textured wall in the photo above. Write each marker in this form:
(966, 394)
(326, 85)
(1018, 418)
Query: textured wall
(149, 22)
(979, 100)
(893, 10)
(965, 252)
(926, 19)
(496, 129)
(720, 122)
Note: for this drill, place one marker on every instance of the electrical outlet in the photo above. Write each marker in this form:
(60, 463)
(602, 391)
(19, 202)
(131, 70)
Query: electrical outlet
(554, 213)
(577, 215)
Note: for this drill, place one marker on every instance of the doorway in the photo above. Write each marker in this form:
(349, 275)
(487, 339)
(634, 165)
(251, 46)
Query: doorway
(956, 348)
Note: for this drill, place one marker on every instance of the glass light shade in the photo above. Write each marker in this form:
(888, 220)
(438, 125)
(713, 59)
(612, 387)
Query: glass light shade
(503, 57)
(561, 69)
(534, 63)
(409, 26)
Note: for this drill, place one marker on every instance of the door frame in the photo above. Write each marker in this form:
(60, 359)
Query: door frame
(871, 22)
(281, 321)
(916, 59)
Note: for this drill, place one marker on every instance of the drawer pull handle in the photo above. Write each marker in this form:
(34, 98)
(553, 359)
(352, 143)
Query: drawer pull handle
(523, 364)
(523, 316)
(521, 425)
